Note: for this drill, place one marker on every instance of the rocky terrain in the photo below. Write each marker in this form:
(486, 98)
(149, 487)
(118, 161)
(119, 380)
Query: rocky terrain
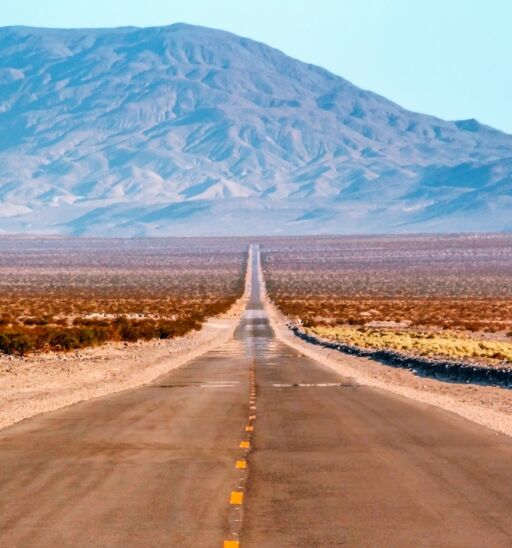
(188, 130)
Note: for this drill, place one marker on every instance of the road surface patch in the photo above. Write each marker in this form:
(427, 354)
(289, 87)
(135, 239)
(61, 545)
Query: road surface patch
(312, 385)
(222, 384)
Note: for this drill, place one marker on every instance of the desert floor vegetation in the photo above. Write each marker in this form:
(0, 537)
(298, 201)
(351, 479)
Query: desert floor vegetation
(64, 294)
(440, 296)
(446, 344)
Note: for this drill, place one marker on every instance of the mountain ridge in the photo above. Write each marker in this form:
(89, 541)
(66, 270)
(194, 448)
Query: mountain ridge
(188, 130)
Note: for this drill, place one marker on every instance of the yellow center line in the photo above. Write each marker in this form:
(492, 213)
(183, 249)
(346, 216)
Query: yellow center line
(237, 497)
(244, 445)
(249, 428)
(231, 544)
(241, 464)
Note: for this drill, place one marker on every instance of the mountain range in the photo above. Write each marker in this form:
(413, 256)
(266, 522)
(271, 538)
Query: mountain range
(185, 130)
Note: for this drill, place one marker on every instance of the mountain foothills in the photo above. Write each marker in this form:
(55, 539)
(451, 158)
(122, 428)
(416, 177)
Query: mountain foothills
(187, 130)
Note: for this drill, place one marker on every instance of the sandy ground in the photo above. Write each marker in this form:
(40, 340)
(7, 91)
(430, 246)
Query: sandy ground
(44, 382)
(485, 405)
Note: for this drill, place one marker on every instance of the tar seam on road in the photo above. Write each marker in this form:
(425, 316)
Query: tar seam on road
(236, 498)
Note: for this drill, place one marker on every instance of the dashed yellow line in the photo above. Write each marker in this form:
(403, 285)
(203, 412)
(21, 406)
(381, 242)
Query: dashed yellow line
(237, 497)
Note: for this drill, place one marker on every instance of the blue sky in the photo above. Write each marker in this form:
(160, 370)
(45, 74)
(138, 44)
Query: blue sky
(450, 58)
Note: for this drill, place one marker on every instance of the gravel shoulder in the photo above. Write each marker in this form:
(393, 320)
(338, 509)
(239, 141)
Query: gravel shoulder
(484, 405)
(40, 383)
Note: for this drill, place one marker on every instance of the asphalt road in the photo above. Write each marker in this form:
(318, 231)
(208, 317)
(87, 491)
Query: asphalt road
(328, 463)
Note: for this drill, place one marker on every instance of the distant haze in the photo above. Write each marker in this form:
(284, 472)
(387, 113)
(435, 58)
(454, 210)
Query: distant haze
(187, 130)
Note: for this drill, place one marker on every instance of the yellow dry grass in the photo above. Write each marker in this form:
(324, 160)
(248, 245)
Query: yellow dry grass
(450, 344)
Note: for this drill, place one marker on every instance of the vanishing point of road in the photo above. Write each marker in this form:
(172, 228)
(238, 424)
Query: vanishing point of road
(254, 445)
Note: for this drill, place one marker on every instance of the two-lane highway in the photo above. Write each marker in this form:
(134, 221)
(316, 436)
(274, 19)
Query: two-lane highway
(255, 443)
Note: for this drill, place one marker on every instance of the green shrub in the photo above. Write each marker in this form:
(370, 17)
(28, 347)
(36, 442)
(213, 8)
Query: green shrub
(15, 343)
(166, 330)
(126, 330)
(87, 336)
(64, 340)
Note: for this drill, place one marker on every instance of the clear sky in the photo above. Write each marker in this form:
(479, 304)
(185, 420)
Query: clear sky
(450, 58)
